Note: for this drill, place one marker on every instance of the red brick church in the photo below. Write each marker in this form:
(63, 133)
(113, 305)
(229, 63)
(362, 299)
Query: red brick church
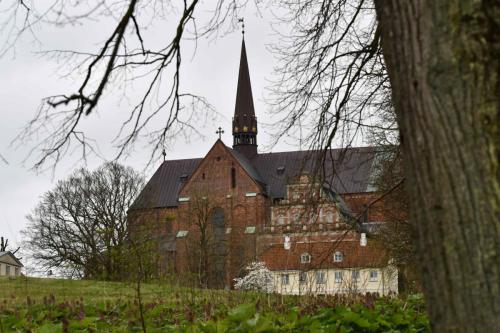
(214, 215)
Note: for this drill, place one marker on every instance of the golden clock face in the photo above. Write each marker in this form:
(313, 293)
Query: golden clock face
(254, 129)
(236, 129)
(245, 129)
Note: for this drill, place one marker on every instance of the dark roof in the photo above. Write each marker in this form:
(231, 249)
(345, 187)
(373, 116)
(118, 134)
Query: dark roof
(162, 189)
(346, 171)
(249, 168)
(10, 254)
(244, 100)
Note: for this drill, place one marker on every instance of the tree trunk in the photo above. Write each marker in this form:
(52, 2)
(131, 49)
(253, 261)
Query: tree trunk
(443, 61)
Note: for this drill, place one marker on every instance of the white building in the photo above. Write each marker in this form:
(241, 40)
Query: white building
(9, 264)
(340, 265)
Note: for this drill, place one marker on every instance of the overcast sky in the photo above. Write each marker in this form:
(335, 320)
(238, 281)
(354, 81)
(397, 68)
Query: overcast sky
(212, 71)
(27, 77)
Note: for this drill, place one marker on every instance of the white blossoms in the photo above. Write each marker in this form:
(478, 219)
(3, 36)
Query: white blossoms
(258, 278)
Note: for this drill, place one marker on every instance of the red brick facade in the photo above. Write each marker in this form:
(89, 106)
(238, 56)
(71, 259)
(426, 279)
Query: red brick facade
(213, 216)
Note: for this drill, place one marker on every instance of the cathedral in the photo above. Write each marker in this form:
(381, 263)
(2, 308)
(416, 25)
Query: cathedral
(303, 214)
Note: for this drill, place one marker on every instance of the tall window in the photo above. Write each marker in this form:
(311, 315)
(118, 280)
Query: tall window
(338, 276)
(373, 276)
(355, 276)
(320, 277)
(219, 252)
(233, 177)
(285, 279)
(303, 277)
(338, 256)
(305, 258)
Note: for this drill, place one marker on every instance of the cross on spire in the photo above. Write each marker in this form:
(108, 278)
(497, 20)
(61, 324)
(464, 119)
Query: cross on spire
(164, 153)
(220, 132)
(242, 21)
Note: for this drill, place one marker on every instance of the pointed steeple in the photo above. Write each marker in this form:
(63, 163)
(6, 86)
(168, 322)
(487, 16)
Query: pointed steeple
(244, 121)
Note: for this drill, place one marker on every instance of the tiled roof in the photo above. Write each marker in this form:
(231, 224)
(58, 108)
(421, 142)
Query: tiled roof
(346, 171)
(8, 253)
(162, 189)
(277, 257)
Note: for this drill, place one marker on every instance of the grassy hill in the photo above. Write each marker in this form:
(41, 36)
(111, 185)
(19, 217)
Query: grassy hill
(51, 305)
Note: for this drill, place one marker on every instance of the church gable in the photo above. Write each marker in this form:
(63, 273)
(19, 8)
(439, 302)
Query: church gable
(220, 173)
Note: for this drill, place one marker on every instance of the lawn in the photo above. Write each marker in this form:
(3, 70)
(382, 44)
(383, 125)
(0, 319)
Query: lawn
(51, 305)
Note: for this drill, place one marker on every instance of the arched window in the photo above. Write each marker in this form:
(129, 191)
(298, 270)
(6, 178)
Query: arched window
(218, 267)
(233, 177)
(338, 256)
(305, 258)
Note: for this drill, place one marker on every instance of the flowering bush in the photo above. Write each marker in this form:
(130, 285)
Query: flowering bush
(258, 278)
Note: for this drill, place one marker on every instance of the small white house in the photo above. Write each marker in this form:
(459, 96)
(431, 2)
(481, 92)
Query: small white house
(9, 264)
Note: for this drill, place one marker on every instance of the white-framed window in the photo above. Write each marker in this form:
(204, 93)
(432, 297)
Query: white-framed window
(338, 256)
(320, 277)
(339, 276)
(281, 219)
(305, 258)
(373, 276)
(302, 277)
(285, 279)
(355, 276)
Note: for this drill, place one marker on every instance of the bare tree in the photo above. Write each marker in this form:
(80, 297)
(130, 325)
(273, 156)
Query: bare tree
(4, 246)
(125, 55)
(80, 227)
(435, 62)
(206, 245)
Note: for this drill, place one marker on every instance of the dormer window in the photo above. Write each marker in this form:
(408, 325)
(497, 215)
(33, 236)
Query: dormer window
(280, 170)
(338, 256)
(305, 258)
(184, 177)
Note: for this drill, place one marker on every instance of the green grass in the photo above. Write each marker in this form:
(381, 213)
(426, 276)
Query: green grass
(51, 305)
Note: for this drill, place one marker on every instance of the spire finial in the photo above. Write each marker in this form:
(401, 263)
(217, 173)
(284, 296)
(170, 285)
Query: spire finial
(164, 153)
(242, 21)
(220, 132)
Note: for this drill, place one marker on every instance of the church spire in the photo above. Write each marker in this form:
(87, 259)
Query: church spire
(244, 121)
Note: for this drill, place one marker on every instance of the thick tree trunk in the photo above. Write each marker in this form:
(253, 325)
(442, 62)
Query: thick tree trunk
(443, 62)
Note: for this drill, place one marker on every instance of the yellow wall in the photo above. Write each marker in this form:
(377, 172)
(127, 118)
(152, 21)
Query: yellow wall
(386, 282)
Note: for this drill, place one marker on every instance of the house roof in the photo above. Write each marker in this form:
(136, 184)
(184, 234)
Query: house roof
(277, 257)
(8, 253)
(345, 171)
